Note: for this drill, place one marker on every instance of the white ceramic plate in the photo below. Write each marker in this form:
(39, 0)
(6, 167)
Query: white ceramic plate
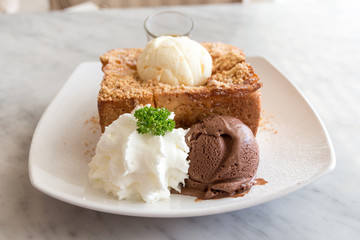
(295, 148)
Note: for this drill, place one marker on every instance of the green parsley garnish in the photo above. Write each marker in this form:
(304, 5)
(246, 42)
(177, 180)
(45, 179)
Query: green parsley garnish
(154, 120)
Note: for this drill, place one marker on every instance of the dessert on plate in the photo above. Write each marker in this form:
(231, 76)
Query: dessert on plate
(224, 157)
(231, 88)
(131, 165)
(208, 91)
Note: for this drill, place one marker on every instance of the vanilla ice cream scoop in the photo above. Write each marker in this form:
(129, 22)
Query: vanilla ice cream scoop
(175, 61)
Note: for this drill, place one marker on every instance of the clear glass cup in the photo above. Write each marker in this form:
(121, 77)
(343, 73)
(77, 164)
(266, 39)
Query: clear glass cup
(168, 23)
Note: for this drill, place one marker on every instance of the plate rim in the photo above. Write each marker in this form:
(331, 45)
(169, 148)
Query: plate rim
(177, 213)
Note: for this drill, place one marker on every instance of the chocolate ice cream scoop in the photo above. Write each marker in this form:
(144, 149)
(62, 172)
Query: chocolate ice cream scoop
(224, 157)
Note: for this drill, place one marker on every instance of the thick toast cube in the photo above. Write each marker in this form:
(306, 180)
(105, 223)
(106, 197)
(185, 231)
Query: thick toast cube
(233, 89)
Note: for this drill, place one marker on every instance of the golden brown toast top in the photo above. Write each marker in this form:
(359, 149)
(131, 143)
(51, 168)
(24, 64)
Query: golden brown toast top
(230, 72)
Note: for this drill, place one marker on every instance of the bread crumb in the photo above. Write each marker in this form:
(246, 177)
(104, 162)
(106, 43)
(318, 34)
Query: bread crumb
(92, 123)
(266, 122)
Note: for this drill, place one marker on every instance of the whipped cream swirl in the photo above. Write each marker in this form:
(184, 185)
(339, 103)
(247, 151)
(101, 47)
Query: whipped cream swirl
(130, 165)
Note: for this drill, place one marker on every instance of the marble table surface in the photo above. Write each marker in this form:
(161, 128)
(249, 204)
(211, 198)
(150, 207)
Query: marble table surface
(315, 43)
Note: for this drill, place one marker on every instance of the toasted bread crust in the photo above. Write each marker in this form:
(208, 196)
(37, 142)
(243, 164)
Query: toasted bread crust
(231, 90)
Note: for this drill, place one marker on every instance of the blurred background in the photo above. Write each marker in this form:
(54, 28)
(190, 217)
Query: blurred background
(32, 6)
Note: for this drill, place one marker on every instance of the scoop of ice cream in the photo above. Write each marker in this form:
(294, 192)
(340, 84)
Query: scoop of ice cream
(175, 61)
(224, 158)
(128, 164)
